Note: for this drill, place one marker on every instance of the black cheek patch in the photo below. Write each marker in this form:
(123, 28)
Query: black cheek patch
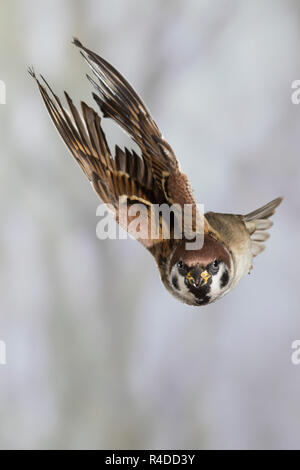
(175, 282)
(224, 279)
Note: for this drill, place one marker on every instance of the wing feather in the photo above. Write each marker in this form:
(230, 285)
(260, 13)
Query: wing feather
(127, 176)
(118, 100)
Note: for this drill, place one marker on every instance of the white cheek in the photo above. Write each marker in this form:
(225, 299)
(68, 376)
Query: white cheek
(215, 289)
(182, 288)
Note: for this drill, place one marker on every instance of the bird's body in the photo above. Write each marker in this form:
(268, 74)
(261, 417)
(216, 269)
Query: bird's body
(195, 276)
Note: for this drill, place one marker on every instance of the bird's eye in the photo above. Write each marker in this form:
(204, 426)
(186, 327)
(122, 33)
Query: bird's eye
(214, 267)
(182, 269)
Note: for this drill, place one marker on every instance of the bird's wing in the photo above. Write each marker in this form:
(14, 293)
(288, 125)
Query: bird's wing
(119, 101)
(120, 181)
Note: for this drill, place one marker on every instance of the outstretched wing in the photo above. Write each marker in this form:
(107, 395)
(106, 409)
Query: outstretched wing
(127, 176)
(119, 101)
(152, 178)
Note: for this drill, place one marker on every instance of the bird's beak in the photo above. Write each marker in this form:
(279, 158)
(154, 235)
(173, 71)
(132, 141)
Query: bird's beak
(197, 278)
(204, 277)
(191, 279)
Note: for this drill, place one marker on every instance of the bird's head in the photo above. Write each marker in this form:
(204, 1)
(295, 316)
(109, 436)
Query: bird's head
(199, 277)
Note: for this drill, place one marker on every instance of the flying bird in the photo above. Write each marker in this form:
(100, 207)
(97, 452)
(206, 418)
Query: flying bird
(230, 242)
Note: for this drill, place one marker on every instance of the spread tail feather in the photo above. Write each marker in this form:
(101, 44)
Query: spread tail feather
(257, 222)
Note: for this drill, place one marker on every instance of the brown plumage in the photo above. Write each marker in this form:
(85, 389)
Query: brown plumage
(154, 177)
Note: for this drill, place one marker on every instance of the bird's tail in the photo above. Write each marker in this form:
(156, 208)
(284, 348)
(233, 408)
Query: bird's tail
(257, 222)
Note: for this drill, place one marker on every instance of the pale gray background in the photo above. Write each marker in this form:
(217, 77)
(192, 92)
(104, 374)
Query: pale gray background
(99, 354)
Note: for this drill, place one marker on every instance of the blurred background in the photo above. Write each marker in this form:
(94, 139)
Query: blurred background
(99, 355)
